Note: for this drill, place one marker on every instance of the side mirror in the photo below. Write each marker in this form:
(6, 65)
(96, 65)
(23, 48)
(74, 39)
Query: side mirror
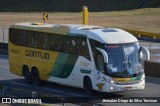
(146, 53)
(105, 55)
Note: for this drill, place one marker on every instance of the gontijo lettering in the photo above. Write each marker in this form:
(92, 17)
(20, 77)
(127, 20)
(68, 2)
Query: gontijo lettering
(36, 54)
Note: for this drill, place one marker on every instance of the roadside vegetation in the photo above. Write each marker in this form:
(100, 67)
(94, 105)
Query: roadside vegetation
(147, 19)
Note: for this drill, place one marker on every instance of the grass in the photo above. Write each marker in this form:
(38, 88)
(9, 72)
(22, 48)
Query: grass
(141, 19)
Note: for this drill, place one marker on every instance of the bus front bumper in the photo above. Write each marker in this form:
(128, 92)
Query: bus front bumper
(114, 87)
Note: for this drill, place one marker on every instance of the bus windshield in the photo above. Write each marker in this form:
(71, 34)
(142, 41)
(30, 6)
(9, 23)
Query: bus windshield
(123, 60)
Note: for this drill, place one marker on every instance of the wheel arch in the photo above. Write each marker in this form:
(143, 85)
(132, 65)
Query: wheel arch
(84, 79)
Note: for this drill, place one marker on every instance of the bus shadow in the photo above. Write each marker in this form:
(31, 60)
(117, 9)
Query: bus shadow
(20, 83)
(80, 97)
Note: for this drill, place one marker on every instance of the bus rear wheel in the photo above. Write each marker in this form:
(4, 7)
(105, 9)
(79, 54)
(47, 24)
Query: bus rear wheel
(35, 76)
(27, 75)
(88, 86)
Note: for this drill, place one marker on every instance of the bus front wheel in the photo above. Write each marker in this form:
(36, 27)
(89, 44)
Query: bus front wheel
(88, 86)
(35, 76)
(27, 75)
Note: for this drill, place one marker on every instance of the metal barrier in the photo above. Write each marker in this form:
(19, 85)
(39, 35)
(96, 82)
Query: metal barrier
(38, 94)
(143, 34)
(28, 91)
(154, 49)
(152, 69)
(4, 34)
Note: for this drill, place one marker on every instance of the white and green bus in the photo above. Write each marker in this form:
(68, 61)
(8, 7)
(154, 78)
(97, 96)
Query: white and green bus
(84, 56)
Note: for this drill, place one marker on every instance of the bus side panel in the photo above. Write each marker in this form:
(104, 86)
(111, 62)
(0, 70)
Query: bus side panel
(47, 65)
(81, 67)
(14, 59)
(37, 60)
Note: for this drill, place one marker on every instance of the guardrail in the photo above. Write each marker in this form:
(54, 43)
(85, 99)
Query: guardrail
(143, 34)
(28, 91)
(152, 69)
(46, 97)
(49, 98)
(4, 34)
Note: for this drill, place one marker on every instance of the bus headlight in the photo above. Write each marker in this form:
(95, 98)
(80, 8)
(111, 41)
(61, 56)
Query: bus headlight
(111, 88)
(110, 81)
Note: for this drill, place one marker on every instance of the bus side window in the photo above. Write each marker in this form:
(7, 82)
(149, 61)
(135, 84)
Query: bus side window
(44, 41)
(32, 39)
(78, 46)
(67, 44)
(82, 47)
(46, 45)
(59, 44)
(23, 40)
(56, 43)
(35, 40)
(85, 51)
(52, 43)
(73, 45)
(18, 37)
(70, 45)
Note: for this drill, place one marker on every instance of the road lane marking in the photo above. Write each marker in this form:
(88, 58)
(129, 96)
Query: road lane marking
(4, 67)
(7, 95)
(153, 78)
(76, 94)
(11, 96)
(53, 90)
(19, 84)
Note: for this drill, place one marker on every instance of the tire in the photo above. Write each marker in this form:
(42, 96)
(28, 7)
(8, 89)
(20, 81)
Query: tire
(27, 75)
(88, 86)
(35, 76)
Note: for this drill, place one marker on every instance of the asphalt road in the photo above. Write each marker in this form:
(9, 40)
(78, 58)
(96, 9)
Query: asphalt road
(16, 82)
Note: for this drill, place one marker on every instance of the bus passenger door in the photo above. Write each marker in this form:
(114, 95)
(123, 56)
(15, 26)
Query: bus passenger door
(99, 74)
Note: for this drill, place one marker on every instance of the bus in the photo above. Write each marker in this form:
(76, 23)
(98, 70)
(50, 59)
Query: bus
(83, 56)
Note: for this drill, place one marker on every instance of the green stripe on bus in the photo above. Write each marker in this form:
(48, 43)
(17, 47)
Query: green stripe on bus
(85, 71)
(135, 78)
(68, 67)
(59, 64)
(64, 65)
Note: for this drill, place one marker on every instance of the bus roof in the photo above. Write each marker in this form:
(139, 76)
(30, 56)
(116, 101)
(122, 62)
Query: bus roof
(103, 35)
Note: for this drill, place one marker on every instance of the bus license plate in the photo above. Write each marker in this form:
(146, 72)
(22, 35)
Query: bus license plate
(128, 88)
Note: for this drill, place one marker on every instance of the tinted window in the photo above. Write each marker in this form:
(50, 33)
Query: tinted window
(57, 43)
(54, 42)
(44, 41)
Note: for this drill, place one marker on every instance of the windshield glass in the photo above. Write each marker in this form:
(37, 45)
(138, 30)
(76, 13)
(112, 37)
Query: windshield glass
(123, 60)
